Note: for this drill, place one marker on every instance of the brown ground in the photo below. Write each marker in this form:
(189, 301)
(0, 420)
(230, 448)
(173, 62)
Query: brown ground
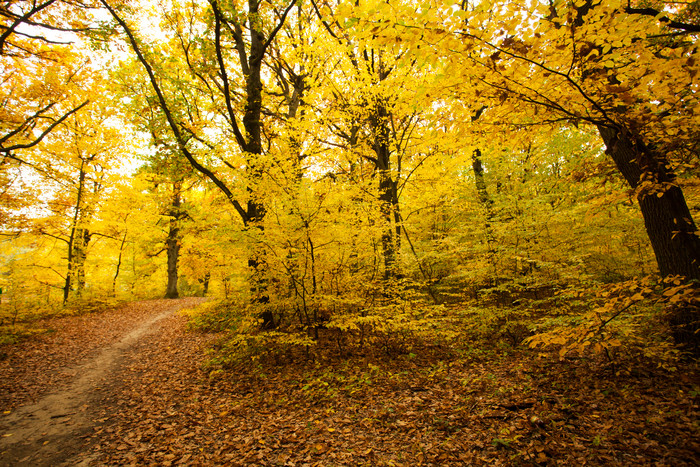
(137, 395)
(54, 381)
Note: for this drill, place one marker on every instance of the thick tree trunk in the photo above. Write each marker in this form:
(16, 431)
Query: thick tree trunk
(172, 243)
(259, 290)
(173, 250)
(667, 219)
(255, 210)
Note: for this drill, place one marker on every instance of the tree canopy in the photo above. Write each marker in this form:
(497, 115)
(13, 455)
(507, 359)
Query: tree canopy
(353, 167)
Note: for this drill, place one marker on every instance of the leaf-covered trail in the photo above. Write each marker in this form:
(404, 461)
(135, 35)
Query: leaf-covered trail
(52, 429)
(153, 405)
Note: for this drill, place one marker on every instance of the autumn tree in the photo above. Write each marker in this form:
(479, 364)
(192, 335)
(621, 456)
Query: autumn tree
(228, 74)
(168, 170)
(169, 185)
(135, 223)
(611, 65)
(38, 65)
(376, 115)
(75, 162)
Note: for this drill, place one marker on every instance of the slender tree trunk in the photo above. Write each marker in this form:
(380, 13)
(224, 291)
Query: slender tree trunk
(75, 236)
(172, 244)
(398, 223)
(79, 256)
(119, 265)
(667, 219)
(388, 246)
(486, 202)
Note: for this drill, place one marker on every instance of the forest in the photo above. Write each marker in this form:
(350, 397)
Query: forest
(473, 219)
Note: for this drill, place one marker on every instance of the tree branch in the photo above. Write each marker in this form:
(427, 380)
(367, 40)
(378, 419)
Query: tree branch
(224, 77)
(26, 123)
(42, 232)
(277, 29)
(169, 116)
(566, 76)
(19, 20)
(663, 19)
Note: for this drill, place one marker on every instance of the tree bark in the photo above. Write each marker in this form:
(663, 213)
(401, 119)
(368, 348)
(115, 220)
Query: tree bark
(388, 233)
(484, 197)
(172, 244)
(487, 203)
(119, 263)
(77, 241)
(668, 222)
(205, 283)
(387, 188)
(79, 256)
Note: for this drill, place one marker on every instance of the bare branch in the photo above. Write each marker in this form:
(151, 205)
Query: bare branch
(169, 116)
(274, 32)
(20, 20)
(224, 77)
(42, 135)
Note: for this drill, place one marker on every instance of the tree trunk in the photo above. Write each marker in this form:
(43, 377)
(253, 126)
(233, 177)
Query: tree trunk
(119, 264)
(172, 244)
(486, 202)
(173, 250)
(75, 238)
(255, 210)
(205, 283)
(387, 188)
(388, 245)
(667, 219)
(77, 254)
(79, 257)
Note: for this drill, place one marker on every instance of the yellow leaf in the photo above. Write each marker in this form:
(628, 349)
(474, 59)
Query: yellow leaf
(562, 353)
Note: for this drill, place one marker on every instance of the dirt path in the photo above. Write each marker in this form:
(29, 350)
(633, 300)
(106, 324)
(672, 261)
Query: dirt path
(138, 395)
(52, 430)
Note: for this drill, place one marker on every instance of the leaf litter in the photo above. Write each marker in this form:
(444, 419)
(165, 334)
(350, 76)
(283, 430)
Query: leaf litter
(162, 407)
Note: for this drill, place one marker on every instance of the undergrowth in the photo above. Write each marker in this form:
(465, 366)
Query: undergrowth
(618, 326)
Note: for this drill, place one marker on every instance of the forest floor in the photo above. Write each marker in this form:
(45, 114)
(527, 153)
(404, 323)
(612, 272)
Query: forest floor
(128, 387)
